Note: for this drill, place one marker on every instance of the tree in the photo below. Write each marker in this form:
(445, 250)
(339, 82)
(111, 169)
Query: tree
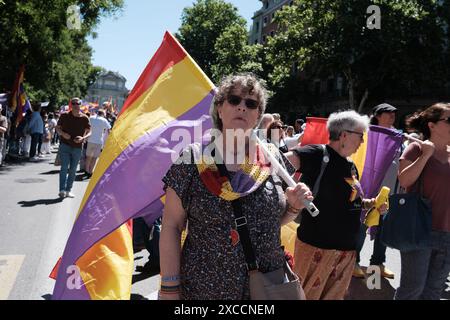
(233, 54)
(202, 26)
(57, 59)
(332, 37)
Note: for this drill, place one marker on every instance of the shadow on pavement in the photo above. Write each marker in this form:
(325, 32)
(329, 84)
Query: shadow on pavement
(145, 273)
(135, 296)
(50, 172)
(359, 290)
(45, 202)
(47, 296)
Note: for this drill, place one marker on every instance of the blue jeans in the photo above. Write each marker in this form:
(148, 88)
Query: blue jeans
(70, 157)
(425, 271)
(35, 138)
(379, 249)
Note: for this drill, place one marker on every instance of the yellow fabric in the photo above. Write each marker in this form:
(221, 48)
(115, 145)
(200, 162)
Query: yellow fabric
(359, 157)
(373, 216)
(145, 114)
(288, 236)
(113, 255)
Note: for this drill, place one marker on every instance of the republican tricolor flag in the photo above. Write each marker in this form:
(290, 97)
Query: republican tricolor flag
(171, 93)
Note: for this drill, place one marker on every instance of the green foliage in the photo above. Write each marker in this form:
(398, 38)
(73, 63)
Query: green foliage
(233, 54)
(214, 34)
(57, 59)
(331, 37)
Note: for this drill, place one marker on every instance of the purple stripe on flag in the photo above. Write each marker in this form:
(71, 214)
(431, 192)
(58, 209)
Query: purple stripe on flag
(151, 212)
(382, 145)
(131, 183)
(73, 293)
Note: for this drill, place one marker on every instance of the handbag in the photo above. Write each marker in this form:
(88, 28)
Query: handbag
(280, 284)
(407, 225)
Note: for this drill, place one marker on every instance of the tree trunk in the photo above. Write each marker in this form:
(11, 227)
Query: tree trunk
(351, 94)
(363, 101)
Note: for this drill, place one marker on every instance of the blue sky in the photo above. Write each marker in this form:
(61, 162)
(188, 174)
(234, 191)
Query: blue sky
(127, 42)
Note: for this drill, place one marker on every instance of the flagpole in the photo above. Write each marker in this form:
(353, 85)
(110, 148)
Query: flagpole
(282, 172)
(407, 136)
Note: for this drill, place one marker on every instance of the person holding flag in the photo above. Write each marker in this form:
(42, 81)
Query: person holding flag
(325, 249)
(211, 264)
(383, 115)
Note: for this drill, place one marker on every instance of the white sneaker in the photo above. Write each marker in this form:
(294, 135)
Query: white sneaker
(62, 194)
(69, 194)
(34, 159)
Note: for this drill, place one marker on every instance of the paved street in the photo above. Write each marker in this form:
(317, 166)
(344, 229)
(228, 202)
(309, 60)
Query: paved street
(35, 225)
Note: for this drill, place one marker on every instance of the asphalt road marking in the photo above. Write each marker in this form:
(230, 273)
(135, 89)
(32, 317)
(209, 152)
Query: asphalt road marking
(9, 268)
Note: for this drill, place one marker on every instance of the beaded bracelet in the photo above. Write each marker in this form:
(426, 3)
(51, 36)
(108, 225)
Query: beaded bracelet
(171, 278)
(170, 289)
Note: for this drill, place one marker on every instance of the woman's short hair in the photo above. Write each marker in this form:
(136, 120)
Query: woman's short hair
(341, 121)
(419, 120)
(275, 125)
(248, 83)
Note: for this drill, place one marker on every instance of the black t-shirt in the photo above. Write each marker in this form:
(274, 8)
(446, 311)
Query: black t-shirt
(338, 199)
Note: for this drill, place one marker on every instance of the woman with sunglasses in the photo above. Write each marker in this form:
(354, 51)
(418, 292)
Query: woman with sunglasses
(325, 248)
(199, 193)
(424, 271)
(276, 135)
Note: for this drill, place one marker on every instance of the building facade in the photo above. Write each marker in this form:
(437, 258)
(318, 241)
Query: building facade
(108, 86)
(263, 25)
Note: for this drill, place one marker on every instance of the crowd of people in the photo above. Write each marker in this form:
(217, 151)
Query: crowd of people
(77, 138)
(205, 198)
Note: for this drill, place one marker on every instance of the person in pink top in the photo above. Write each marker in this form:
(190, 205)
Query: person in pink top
(424, 271)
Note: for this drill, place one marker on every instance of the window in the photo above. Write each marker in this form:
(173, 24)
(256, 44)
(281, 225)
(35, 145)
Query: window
(272, 33)
(265, 21)
(266, 5)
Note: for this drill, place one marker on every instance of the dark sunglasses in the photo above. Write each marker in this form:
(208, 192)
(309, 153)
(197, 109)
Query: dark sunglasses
(76, 104)
(236, 100)
(445, 119)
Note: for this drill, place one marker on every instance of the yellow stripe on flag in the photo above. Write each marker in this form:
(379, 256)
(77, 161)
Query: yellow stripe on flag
(359, 157)
(113, 255)
(147, 114)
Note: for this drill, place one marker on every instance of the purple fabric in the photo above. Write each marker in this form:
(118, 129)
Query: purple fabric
(151, 212)
(382, 144)
(128, 186)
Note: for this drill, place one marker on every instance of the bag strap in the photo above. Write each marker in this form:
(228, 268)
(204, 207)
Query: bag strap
(325, 160)
(241, 226)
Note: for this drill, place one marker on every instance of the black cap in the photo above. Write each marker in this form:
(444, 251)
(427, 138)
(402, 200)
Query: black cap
(384, 107)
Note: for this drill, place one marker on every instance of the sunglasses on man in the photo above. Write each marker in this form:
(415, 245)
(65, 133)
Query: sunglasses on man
(236, 100)
(445, 119)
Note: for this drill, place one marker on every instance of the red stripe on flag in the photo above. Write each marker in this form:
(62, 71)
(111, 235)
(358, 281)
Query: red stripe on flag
(168, 55)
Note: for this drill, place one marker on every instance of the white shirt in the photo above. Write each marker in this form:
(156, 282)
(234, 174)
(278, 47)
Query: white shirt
(99, 126)
(293, 142)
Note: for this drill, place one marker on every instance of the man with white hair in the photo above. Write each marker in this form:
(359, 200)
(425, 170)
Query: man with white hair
(3, 129)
